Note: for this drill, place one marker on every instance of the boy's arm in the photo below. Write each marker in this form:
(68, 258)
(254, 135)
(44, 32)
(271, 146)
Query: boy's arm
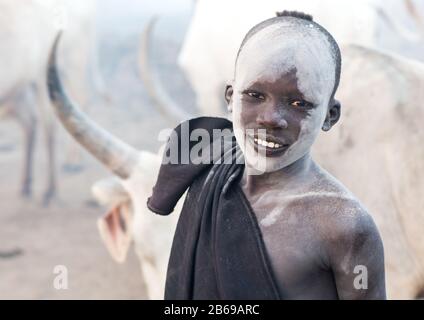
(357, 258)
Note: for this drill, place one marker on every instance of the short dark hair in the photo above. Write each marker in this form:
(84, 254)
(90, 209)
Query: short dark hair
(303, 19)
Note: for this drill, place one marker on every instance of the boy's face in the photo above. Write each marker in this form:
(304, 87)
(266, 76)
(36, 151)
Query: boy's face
(282, 86)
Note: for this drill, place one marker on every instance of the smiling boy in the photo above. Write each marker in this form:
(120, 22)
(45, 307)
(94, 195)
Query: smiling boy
(281, 227)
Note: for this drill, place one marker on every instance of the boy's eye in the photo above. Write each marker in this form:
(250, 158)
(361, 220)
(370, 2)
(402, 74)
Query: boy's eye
(300, 103)
(255, 95)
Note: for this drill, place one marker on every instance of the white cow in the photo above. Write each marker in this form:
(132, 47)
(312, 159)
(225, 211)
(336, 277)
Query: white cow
(27, 31)
(218, 27)
(377, 152)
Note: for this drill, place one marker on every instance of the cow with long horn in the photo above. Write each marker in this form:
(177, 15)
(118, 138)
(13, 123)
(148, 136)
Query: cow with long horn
(165, 105)
(128, 218)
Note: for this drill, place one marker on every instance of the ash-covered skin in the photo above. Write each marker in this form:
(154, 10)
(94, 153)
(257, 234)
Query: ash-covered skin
(314, 229)
(309, 76)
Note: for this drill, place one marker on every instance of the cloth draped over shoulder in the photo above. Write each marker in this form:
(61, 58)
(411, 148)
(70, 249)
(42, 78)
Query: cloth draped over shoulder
(218, 251)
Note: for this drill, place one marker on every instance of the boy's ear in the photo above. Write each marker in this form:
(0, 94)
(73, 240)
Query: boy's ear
(333, 115)
(228, 95)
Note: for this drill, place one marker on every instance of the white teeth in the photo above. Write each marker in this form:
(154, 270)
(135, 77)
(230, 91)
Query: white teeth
(267, 144)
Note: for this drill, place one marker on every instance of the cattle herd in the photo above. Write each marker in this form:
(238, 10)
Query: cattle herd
(376, 150)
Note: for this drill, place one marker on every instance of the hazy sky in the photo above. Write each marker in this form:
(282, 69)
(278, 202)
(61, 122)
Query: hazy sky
(132, 14)
(168, 7)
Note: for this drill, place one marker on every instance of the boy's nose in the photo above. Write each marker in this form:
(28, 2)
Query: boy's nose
(272, 117)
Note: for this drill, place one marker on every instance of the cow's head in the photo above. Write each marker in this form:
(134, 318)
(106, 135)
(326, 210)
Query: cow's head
(125, 195)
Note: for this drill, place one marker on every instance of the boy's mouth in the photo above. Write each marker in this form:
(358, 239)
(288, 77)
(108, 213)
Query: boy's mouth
(268, 145)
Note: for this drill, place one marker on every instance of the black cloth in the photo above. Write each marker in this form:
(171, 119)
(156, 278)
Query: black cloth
(218, 251)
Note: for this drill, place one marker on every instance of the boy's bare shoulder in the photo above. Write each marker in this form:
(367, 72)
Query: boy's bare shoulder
(338, 214)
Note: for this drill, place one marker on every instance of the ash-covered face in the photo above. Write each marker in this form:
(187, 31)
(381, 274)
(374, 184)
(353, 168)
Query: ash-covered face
(280, 97)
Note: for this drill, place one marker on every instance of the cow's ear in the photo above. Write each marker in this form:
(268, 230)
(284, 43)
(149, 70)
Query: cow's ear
(115, 231)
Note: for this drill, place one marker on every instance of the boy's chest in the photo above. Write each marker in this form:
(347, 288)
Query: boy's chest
(293, 240)
(292, 237)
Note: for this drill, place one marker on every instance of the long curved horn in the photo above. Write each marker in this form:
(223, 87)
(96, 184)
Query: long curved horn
(398, 28)
(116, 155)
(161, 99)
(414, 12)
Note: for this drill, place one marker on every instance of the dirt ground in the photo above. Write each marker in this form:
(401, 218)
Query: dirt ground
(39, 239)
(35, 239)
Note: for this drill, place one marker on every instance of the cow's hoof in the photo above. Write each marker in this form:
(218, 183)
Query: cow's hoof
(72, 168)
(48, 198)
(26, 192)
(10, 254)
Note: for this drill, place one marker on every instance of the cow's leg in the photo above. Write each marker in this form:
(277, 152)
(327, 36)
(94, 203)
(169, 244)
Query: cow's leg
(73, 162)
(24, 112)
(29, 123)
(50, 192)
(49, 132)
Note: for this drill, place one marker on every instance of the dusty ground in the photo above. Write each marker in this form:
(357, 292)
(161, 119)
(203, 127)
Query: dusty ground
(34, 239)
